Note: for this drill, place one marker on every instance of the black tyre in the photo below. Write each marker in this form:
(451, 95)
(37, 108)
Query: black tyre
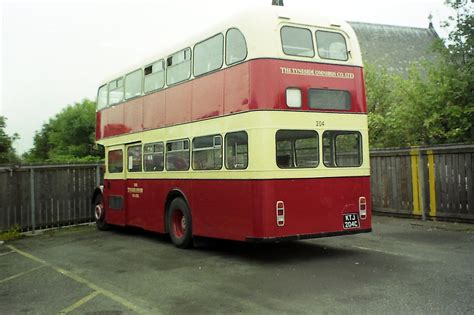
(99, 212)
(180, 224)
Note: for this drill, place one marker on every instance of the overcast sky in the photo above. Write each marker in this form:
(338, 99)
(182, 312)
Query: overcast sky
(56, 53)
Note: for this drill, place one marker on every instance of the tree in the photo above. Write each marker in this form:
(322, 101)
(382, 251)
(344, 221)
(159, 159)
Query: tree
(435, 103)
(7, 152)
(68, 137)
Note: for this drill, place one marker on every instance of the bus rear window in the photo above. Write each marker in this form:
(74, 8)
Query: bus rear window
(331, 45)
(330, 99)
(297, 41)
(297, 149)
(342, 148)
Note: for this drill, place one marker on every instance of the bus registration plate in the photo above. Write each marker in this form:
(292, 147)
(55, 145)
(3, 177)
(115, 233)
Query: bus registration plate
(351, 221)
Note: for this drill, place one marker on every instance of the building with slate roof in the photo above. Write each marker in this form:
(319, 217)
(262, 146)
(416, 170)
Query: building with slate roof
(396, 48)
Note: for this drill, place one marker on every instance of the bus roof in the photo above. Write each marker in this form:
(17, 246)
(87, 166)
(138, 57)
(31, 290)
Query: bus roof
(261, 28)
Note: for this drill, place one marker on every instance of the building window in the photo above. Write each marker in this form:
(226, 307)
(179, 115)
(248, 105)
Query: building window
(116, 91)
(331, 45)
(207, 153)
(177, 155)
(342, 148)
(297, 149)
(297, 41)
(134, 154)
(153, 157)
(154, 76)
(330, 99)
(209, 55)
(178, 67)
(115, 161)
(235, 46)
(102, 97)
(236, 150)
(133, 84)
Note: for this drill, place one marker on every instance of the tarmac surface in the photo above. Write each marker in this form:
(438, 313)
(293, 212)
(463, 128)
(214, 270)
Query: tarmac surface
(404, 266)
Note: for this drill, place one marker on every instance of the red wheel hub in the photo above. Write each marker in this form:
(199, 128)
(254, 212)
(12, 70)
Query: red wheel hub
(178, 223)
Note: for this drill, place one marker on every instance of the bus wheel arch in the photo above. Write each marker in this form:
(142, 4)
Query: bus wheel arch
(178, 219)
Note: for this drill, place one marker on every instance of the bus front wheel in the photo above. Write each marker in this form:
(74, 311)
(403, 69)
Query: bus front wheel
(99, 213)
(179, 224)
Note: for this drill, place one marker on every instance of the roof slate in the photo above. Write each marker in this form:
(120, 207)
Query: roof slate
(396, 48)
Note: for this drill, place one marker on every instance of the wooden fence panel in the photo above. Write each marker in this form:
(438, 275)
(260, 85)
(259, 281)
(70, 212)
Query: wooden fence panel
(61, 195)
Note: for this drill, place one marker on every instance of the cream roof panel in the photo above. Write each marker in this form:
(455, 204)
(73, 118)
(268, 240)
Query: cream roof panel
(261, 28)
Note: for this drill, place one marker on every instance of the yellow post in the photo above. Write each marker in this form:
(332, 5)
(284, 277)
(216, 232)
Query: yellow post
(431, 174)
(415, 181)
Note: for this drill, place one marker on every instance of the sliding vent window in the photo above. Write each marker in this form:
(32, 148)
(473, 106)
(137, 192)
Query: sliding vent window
(115, 161)
(297, 41)
(116, 91)
(177, 155)
(331, 45)
(297, 149)
(153, 156)
(154, 76)
(207, 153)
(178, 67)
(235, 46)
(209, 55)
(134, 154)
(133, 84)
(236, 150)
(330, 99)
(342, 148)
(102, 97)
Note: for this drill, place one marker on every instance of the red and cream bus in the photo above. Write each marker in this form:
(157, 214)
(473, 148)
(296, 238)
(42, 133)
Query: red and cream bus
(255, 131)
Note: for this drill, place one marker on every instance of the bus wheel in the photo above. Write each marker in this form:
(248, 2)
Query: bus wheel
(179, 224)
(99, 213)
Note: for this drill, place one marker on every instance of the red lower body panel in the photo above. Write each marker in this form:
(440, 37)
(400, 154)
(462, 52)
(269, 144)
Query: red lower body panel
(246, 209)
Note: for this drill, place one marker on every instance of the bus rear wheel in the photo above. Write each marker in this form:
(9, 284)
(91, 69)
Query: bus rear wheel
(179, 224)
(99, 213)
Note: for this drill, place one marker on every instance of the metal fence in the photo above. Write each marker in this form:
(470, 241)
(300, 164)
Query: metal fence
(434, 182)
(38, 197)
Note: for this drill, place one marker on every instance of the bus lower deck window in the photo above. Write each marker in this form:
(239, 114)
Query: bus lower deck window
(297, 149)
(236, 150)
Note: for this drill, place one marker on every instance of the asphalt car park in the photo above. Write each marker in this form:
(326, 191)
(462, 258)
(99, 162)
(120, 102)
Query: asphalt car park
(403, 266)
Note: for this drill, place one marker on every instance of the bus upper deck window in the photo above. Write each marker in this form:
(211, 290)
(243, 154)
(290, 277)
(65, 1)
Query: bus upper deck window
(331, 45)
(102, 97)
(236, 46)
(297, 41)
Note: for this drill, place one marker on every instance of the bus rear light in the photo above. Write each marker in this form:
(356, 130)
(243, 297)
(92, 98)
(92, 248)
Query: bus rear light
(280, 213)
(362, 208)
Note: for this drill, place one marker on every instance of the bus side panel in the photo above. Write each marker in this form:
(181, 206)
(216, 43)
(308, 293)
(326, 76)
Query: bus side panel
(208, 96)
(178, 104)
(223, 208)
(115, 201)
(312, 206)
(133, 115)
(264, 82)
(98, 126)
(113, 121)
(236, 88)
(154, 110)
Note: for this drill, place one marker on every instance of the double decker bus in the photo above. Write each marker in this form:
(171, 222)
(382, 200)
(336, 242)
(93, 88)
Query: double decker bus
(255, 131)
